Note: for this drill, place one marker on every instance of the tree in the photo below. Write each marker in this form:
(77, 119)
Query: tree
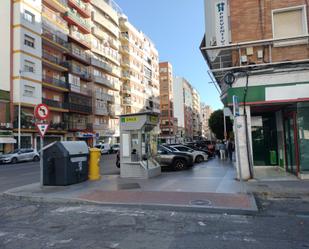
(216, 124)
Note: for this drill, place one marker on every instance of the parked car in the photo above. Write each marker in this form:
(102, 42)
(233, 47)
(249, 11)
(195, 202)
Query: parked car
(195, 146)
(198, 156)
(114, 148)
(105, 148)
(20, 156)
(174, 159)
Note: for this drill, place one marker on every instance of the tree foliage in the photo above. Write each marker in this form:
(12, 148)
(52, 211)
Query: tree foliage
(216, 124)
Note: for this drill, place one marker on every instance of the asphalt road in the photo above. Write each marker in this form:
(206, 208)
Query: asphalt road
(64, 226)
(16, 175)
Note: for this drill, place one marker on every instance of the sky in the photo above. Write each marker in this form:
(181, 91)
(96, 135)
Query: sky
(176, 27)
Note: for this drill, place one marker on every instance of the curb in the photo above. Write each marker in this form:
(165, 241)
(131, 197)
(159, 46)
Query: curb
(162, 207)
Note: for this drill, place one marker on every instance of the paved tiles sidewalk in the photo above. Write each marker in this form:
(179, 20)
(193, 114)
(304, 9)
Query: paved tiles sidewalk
(209, 185)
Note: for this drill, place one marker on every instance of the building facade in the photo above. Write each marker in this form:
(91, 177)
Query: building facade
(183, 107)
(168, 123)
(261, 57)
(140, 70)
(206, 111)
(197, 121)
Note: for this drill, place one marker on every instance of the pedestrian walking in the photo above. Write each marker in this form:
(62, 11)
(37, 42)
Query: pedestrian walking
(222, 149)
(230, 149)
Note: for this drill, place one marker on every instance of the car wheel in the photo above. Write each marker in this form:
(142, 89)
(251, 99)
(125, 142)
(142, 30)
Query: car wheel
(14, 160)
(179, 164)
(36, 158)
(199, 159)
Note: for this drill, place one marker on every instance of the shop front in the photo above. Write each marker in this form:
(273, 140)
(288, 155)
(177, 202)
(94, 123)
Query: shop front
(280, 137)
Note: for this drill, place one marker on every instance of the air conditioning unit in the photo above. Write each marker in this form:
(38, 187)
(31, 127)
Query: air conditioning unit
(213, 41)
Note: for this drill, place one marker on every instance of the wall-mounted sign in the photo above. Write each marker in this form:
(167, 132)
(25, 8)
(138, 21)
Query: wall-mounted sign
(235, 106)
(129, 119)
(221, 16)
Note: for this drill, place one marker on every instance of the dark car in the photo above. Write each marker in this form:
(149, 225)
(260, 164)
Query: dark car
(172, 159)
(194, 146)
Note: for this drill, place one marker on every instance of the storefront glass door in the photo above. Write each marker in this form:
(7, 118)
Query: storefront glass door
(291, 143)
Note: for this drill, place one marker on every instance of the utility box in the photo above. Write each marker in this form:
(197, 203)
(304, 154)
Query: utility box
(138, 145)
(65, 163)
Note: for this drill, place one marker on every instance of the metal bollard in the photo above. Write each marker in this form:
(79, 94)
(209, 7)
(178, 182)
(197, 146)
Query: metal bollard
(94, 164)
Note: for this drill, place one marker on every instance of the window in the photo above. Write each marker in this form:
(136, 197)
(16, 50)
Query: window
(29, 66)
(29, 16)
(29, 41)
(289, 22)
(29, 91)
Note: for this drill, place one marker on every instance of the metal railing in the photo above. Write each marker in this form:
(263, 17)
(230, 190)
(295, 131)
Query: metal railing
(55, 81)
(82, 5)
(262, 53)
(53, 37)
(52, 58)
(54, 103)
(101, 64)
(82, 55)
(53, 16)
(78, 19)
(79, 70)
(79, 108)
(104, 81)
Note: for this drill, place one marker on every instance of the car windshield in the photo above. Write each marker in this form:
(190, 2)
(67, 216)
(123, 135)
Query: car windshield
(116, 146)
(172, 149)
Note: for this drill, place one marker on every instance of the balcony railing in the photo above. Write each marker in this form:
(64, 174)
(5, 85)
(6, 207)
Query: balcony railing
(61, 126)
(105, 96)
(77, 125)
(103, 81)
(82, 90)
(78, 20)
(101, 111)
(54, 17)
(101, 64)
(127, 101)
(80, 71)
(53, 37)
(54, 103)
(80, 37)
(83, 7)
(52, 58)
(55, 81)
(80, 108)
(85, 57)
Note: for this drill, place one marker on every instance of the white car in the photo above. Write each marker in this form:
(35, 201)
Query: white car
(20, 156)
(198, 156)
(105, 148)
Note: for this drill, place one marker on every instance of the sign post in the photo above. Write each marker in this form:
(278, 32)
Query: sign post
(236, 115)
(41, 112)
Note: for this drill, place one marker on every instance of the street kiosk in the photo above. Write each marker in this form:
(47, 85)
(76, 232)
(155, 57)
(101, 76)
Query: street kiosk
(139, 140)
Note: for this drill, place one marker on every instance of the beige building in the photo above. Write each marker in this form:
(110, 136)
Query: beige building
(106, 71)
(140, 70)
(197, 121)
(168, 123)
(206, 111)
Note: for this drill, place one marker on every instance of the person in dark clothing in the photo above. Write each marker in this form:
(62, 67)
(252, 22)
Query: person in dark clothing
(230, 149)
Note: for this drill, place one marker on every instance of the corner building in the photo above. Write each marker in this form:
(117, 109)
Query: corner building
(265, 46)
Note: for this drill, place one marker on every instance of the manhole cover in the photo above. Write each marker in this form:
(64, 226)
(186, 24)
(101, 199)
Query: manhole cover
(201, 203)
(128, 186)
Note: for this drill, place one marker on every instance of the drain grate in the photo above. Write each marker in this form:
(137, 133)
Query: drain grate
(128, 186)
(201, 203)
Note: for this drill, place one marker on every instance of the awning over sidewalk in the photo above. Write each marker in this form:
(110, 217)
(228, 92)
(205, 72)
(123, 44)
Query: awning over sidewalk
(7, 140)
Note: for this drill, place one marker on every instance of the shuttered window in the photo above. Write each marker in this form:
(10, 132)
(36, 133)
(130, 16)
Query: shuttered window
(289, 23)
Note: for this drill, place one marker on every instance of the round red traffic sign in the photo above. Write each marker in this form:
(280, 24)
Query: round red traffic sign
(41, 111)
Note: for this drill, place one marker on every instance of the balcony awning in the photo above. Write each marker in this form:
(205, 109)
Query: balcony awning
(7, 140)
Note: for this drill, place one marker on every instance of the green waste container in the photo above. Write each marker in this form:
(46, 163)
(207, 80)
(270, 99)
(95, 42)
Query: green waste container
(273, 157)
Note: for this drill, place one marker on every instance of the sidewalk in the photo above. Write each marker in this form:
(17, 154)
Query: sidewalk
(208, 186)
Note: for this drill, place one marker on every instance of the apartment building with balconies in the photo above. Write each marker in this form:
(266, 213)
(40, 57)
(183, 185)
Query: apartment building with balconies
(105, 63)
(206, 112)
(197, 121)
(140, 70)
(183, 108)
(257, 52)
(168, 123)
